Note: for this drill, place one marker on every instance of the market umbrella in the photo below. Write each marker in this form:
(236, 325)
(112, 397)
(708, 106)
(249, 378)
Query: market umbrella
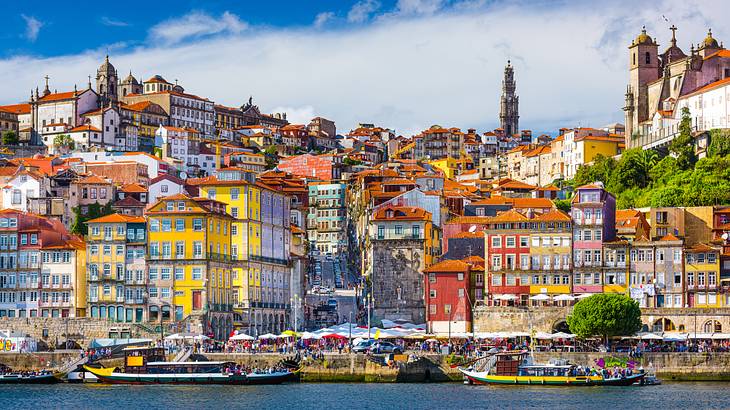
(583, 295)
(268, 336)
(175, 336)
(563, 335)
(241, 336)
(561, 298)
(540, 296)
(506, 296)
(650, 336)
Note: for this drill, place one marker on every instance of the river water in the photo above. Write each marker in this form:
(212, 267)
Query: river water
(365, 396)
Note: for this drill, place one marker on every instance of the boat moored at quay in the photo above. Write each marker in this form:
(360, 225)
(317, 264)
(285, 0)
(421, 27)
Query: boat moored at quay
(148, 366)
(517, 368)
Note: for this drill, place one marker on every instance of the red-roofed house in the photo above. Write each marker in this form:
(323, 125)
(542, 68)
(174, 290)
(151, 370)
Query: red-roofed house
(60, 108)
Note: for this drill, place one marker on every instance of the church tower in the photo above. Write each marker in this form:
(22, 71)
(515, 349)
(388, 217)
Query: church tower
(509, 103)
(107, 82)
(643, 69)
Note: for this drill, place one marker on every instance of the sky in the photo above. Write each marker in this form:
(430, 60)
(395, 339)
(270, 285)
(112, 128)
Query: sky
(402, 64)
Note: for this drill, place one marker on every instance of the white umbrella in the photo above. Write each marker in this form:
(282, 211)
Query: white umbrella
(200, 337)
(562, 335)
(174, 336)
(268, 336)
(506, 296)
(540, 296)
(650, 336)
(560, 298)
(583, 295)
(543, 335)
(720, 336)
(310, 335)
(241, 336)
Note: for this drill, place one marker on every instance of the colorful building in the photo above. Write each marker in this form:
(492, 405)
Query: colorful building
(594, 221)
(117, 274)
(189, 264)
(449, 308)
(702, 272)
(327, 218)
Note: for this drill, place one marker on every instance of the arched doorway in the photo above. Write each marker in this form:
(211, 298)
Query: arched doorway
(561, 326)
(663, 325)
(712, 326)
(214, 327)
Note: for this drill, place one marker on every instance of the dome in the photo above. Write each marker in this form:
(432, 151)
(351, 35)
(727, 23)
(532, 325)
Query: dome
(643, 38)
(107, 67)
(709, 41)
(130, 79)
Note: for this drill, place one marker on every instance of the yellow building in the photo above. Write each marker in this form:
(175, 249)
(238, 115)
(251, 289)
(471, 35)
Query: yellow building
(64, 269)
(260, 243)
(189, 263)
(116, 268)
(588, 147)
(451, 167)
(702, 276)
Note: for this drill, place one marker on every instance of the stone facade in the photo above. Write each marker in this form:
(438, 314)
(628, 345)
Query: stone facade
(397, 280)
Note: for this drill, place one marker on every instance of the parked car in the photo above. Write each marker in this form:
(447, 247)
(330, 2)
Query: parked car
(332, 302)
(363, 346)
(385, 347)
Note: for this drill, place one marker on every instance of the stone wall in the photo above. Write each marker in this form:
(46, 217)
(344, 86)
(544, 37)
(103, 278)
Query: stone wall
(397, 280)
(548, 318)
(52, 331)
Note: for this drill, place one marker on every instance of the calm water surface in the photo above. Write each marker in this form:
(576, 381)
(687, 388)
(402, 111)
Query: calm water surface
(365, 396)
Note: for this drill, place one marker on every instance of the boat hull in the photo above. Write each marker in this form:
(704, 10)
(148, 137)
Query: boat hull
(110, 376)
(17, 379)
(483, 378)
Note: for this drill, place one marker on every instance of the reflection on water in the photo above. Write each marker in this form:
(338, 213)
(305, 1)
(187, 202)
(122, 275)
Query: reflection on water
(364, 396)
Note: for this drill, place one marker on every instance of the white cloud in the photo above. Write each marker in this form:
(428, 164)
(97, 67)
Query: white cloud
(32, 27)
(361, 11)
(196, 24)
(419, 7)
(323, 18)
(409, 73)
(297, 115)
(108, 21)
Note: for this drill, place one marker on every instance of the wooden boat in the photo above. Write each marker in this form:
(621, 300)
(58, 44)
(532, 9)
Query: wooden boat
(22, 378)
(148, 366)
(516, 368)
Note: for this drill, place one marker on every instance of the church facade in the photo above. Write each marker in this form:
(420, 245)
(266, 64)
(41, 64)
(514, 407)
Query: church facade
(661, 84)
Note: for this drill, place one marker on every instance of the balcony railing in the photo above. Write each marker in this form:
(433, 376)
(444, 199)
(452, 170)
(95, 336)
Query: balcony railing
(266, 259)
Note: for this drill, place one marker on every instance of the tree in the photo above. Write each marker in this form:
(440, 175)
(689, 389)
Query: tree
(605, 315)
(9, 137)
(562, 204)
(271, 156)
(682, 146)
(65, 142)
(601, 170)
(96, 210)
(719, 143)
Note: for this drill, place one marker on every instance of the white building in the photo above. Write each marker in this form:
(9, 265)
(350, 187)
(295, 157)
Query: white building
(61, 108)
(24, 185)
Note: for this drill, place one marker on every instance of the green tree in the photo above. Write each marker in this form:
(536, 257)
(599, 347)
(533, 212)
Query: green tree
(682, 146)
(601, 170)
(605, 315)
(64, 141)
(563, 204)
(9, 137)
(96, 210)
(630, 172)
(719, 143)
(271, 156)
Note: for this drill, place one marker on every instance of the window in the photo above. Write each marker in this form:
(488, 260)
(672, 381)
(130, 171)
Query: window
(167, 224)
(460, 276)
(431, 277)
(510, 241)
(399, 230)
(154, 225)
(165, 273)
(197, 224)
(647, 58)
(432, 309)
(461, 293)
(180, 249)
(432, 293)
(179, 225)
(179, 273)
(496, 242)
(524, 242)
(197, 249)
(197, 274)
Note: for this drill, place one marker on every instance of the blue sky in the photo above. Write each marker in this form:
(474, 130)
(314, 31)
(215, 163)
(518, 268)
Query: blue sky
(403, 64)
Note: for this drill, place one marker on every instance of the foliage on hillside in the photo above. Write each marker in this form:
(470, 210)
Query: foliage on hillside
(641, 178)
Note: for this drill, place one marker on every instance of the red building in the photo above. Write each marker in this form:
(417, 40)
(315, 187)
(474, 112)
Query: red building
(448, 307)
(324, 167)
(507, 241)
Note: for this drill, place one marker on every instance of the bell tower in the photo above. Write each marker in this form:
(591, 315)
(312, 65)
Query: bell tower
(509, 103)
(643, 69)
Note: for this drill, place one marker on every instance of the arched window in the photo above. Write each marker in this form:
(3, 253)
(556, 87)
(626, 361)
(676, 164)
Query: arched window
(712, 326)
(648, 57)
(634, 59)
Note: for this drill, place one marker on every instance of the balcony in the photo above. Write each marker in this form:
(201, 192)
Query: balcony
(120, 298)
(93, 298)
(267, 259)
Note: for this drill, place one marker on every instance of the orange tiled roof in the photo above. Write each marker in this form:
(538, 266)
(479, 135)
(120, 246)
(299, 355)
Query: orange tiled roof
(58, 96)
(448, 266)
(117, 218)
(402, 213)
(669, 237)
(93, 179)
(86, 127)
(133, 188)
(16, 108)
(554, 215)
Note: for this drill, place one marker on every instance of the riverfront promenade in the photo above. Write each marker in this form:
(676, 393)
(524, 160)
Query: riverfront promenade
(334, 367)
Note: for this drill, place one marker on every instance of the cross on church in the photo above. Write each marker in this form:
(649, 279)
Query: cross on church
(674, 31)
(47, 78)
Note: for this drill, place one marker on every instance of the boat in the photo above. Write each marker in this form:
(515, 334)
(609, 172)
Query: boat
(80, 375)
(517, 368)
(148, 366)
(44, 377)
